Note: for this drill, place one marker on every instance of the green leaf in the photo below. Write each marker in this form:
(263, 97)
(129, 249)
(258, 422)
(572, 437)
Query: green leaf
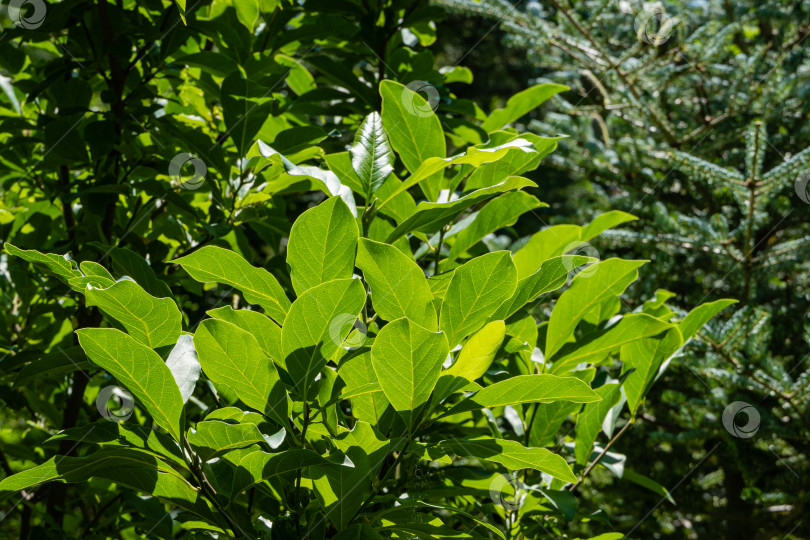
(640, 362)
(372, 158)
(476, 290)
(632, 327)
(127, 467)
(547, 419)
(185, 367)
(322, 244)
(61, 265)
(605, 279)
(214, 264)
(358, 372)
(245, 107)
(247, 11)
(140, 370)
(251, 466)
(316, 328)
(429, 217)
(398, 286)
(699, 316)
(478, 353)
(212, 438)
(415, 131)
(498, 213)
(155, 322)
(512, 455)
(476, 156)
(648, 483)
(589, 422)
(232, 357)
(263, 328)
(551, 276)
(541, 388)
(128, 263)
(407, 359)
(520, 104)
(560, 239)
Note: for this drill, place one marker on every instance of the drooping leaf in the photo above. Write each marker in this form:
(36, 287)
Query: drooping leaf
(630, 328)
(398, 286)
(155, 322)
(407, 359)
(214, 264)
(520, 104)
(608, 278)
(477, 288)
(316, 328)
(372, 157)
(322, 245)
(589, 422)
(140, 370)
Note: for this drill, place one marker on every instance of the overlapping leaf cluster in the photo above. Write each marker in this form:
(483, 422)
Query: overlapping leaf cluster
(398, 342)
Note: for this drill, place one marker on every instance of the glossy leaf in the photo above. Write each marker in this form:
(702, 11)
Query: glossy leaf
(415, 131)
(372, 157)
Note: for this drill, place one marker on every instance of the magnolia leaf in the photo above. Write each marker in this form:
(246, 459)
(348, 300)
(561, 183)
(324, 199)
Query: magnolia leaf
(231, 356)
(589, 422)
(429, 217)
(317, 326)
(398, 286)
(512, 455)
(372, 158)
(322, 245)
(184, 365)
(155, 322)
(474, 293)
(214, 264)
(407, 359)
(140, 370)
(605, 279)
(415, 131)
